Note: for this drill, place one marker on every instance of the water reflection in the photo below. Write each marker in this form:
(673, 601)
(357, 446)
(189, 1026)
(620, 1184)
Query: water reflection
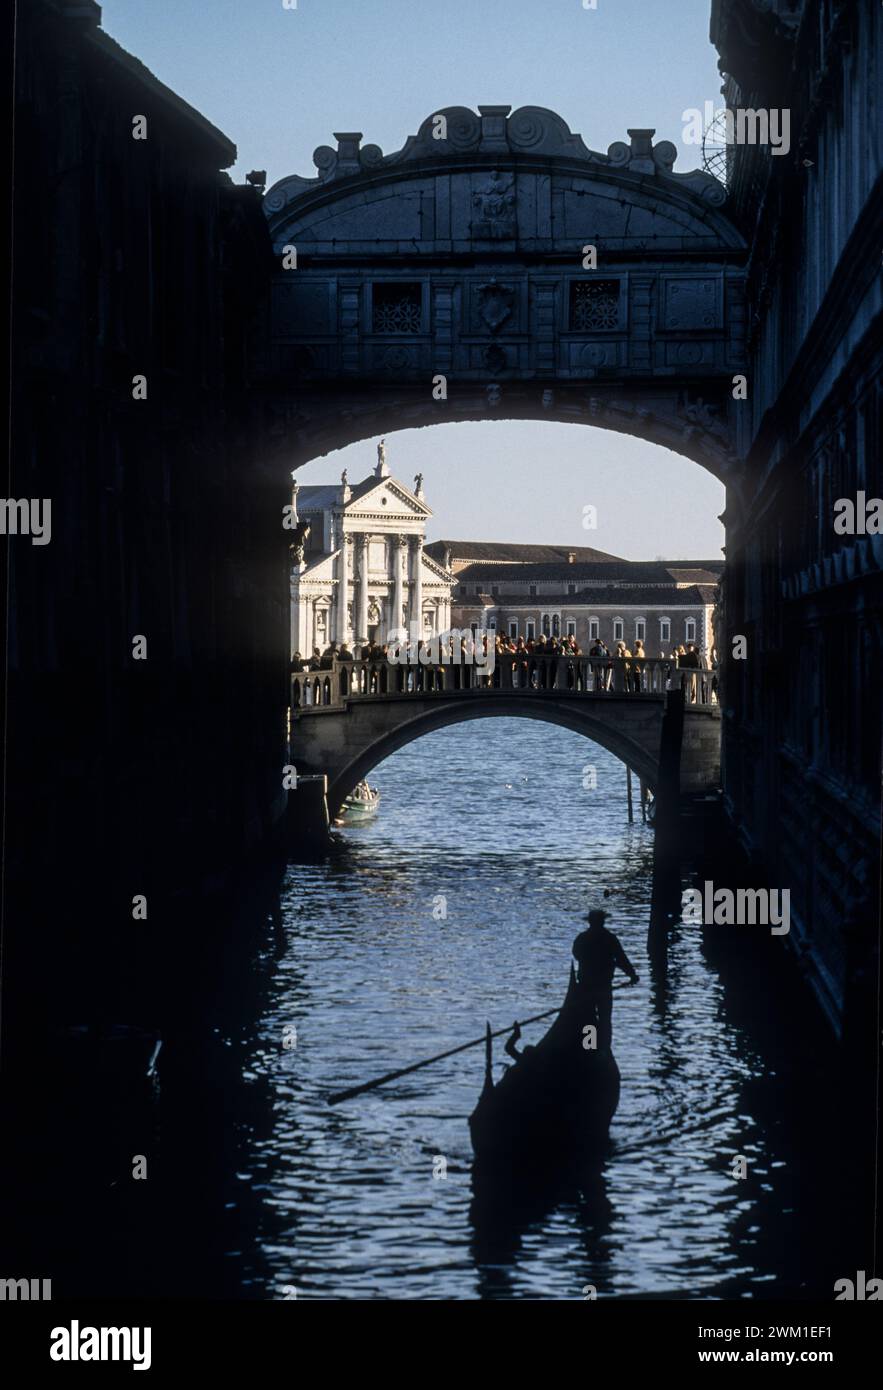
(460, 904)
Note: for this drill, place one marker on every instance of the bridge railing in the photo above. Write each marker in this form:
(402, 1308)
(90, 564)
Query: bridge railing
(329, 687)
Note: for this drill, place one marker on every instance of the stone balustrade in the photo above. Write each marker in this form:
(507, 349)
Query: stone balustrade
(329, 688)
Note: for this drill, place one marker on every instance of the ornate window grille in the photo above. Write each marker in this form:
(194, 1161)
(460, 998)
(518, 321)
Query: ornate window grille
(397, 308)
(594, 305)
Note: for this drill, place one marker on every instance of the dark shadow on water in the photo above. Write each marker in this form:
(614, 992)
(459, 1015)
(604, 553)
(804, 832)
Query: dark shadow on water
(505, 1211)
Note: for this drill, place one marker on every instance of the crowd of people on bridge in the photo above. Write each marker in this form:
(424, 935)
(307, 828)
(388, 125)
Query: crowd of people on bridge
(533, 662)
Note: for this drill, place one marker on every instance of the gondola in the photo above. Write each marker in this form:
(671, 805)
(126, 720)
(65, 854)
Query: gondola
(552, 1109)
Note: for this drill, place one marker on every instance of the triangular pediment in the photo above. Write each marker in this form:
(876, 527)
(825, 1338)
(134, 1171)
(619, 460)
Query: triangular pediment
(435, 570)
(322, 568)
(384, 497)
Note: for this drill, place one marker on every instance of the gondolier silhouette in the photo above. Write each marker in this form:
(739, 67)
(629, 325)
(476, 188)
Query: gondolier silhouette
(598, 953)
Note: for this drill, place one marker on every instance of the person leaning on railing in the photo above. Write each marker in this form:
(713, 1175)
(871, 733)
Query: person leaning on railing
(638, 665)
(623, 656)
(690, 662)
(600, 659)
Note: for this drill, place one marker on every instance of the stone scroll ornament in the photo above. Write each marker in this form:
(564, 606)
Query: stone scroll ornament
(455, 132)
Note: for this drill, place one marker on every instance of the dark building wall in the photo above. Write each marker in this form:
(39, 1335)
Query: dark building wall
(132, 257)
(803, 713)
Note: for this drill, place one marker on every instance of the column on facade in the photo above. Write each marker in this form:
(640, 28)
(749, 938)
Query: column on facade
(295, 622)
(415, 612)
(343, 585)
(398, 590)
(361, 623)
(308, 627)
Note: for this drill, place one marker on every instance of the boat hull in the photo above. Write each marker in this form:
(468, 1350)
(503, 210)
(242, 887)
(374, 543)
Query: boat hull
(553, 1108)
(356, 810)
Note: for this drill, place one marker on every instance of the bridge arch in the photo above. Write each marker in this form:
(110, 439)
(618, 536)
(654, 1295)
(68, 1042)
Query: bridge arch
(450, 281)
(437, 715)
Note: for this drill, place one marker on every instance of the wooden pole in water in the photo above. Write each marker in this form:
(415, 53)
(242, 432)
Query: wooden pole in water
(643, 787)
(485, 1038)
(628, 783)
(451, 1052)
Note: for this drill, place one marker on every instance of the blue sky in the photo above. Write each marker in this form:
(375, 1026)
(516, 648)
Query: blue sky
(280, 82)
(515, 480)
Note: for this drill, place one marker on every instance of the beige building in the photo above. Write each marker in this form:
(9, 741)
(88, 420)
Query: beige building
(359, 569)
(525, 590)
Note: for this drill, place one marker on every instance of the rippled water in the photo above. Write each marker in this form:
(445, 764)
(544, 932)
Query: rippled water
(491, 820)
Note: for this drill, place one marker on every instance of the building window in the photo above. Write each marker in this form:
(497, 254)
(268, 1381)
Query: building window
(665, 630)
(532, 590)
(618, 629)
(594, 629)
(640, 629)
(594, 305)
(546, 623)
(530, 630)
(556, 624)
(571, 627)
(513, 627)
(571, 588)
(690, 630)
(495, 589)
(492, 623)
(397, 308)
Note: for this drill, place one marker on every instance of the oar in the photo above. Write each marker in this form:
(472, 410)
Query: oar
(415, 1066)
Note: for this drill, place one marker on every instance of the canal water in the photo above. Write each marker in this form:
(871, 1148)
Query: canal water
(458, 905)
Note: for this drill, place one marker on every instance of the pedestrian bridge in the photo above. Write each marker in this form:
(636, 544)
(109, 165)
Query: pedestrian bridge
(347, 718)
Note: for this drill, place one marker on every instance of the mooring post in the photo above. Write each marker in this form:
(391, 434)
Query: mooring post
(308, 820)
(666, 850)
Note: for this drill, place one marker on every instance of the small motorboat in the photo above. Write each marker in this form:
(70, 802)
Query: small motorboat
(361, 805)
(552, 1109)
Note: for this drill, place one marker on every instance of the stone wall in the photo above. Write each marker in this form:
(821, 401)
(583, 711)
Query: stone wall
(158, 776)
(802, 720)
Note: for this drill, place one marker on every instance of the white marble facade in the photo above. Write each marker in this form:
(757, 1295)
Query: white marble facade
(359, 570)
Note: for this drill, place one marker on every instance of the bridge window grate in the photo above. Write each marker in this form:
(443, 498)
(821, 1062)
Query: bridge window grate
(594, 305)
(397, 308)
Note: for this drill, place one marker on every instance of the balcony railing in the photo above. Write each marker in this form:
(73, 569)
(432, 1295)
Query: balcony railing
(330, 687)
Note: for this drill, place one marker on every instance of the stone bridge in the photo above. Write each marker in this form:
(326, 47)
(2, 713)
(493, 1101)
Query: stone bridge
(498, 267)
(348, 718)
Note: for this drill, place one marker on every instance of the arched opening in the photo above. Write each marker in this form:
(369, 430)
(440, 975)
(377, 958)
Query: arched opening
(500, 781)
(640, 757)
(522, 530)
